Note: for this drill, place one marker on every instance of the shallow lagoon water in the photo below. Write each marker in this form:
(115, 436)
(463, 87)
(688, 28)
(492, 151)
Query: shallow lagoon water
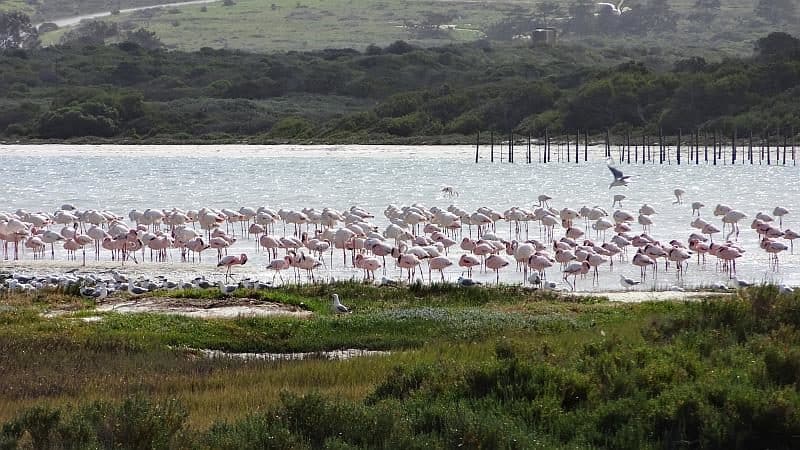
(120, 178)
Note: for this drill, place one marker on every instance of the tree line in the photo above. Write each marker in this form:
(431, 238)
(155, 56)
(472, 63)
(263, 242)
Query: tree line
(385, 94)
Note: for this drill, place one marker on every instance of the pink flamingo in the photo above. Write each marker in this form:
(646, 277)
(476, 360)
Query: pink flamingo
(642, 261)
(438, 263)
(496, 262)
(270, 243)
(594, 261)
(409, 262)
(219, 243)
(729, 255)
(279, 265)
(790, 236)
(539, 262)
(678, 255)
(574, 269)
(699, 247)
(368, 264)
(773, 249)
(307, 263)
(482, 249)
(71, 247)
(229, 261)
(197, 245)
(468, 261)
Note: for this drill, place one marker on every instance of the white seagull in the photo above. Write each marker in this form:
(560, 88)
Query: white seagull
(626, 282)
(739, 284)
(227, 289)
(617, 9)
(467, 282)
(337, 306)
(619, 178)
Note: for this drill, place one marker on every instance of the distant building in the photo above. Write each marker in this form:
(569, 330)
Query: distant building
(544, 36)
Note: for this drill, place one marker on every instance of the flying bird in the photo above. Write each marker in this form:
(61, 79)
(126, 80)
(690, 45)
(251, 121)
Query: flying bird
(619, 178)
(611, 8)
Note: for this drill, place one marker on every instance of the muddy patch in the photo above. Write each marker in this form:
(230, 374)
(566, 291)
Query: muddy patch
(334, 355)
(204, 309)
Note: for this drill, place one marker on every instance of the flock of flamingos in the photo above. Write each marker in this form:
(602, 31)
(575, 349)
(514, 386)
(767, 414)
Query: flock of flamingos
(541, 242)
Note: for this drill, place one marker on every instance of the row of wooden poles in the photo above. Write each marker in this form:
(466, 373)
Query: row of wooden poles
(643, 149)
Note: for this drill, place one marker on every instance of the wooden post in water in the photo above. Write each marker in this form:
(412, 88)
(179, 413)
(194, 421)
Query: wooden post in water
(539, 150)
(705, 141)
(546, 145)
(644, 144)
(608, 144)
(569, 157)
(794, 161)
(491, 147)
(577, 144)
(529, 148)
(769, 155)
(511, 148)
(785, 147)
(586, 145)
(714, 146)
(697, 147)
(750, 148)
(477, 146)
(733, 148)
(628, 145)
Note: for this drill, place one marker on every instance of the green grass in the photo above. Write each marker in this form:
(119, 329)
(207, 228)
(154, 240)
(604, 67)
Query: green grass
(474, 368)
(256, 26)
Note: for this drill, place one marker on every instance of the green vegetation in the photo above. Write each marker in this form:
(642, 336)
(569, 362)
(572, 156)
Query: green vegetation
(399, 93)
(711, 27)
(469, 368)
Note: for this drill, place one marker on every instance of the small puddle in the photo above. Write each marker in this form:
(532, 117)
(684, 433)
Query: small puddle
(334, 355)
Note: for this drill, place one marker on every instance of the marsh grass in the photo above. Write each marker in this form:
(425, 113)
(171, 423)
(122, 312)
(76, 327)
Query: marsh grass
(494, 369)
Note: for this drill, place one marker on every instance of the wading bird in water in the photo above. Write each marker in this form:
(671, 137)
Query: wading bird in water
(229, 261)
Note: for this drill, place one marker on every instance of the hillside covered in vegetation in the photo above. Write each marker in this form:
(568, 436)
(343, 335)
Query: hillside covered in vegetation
(390, 94)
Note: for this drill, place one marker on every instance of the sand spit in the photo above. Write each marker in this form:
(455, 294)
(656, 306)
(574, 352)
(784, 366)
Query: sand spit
(204, 309)
(652, 296)
(333, 355)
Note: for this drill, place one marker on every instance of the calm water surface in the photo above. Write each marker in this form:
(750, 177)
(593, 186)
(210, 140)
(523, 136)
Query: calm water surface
(121, 178)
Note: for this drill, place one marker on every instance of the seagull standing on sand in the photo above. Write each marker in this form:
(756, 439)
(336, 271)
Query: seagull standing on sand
(626, 282)
(619, 178)
(337, 306)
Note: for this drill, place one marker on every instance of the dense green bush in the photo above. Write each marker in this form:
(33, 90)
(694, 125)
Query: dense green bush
(419, 92)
